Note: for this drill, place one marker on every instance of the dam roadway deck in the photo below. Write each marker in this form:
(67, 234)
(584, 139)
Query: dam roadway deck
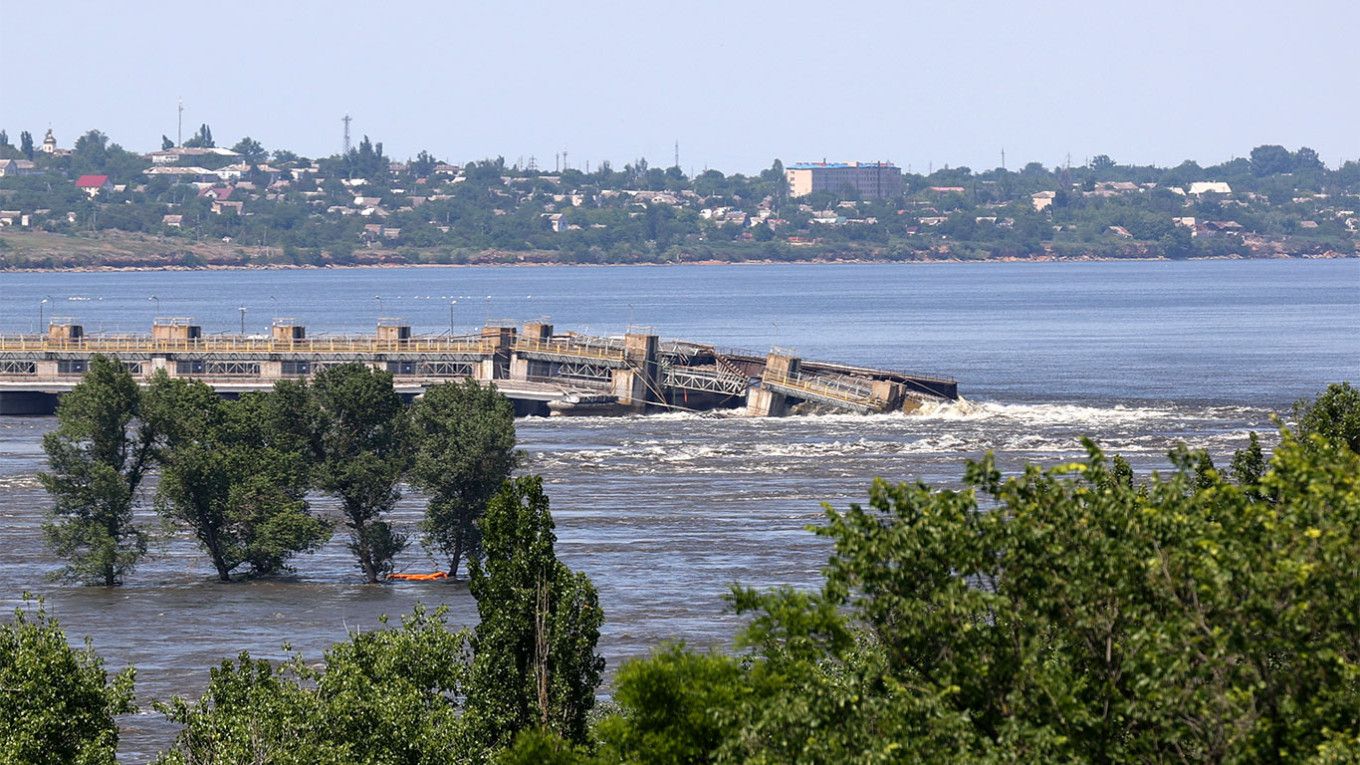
(543, 372)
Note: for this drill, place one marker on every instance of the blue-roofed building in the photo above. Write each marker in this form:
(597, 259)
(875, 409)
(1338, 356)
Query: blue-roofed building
(866, 180)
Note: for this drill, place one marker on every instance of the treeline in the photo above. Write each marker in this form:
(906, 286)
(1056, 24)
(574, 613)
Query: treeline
(1064, 614)
(494, 211)
(237, 473)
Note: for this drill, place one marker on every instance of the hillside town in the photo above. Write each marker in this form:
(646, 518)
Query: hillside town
(195, 203)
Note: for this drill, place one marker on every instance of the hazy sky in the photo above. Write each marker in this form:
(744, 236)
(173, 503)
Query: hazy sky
(738, 84)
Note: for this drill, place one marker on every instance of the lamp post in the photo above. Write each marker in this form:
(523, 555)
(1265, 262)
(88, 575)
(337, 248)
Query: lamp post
(452, 303)
(379, 299)
(157, 301)
(42, 303)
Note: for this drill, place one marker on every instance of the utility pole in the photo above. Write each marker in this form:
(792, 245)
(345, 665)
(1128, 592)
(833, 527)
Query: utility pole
(346, 120)
(179, 127)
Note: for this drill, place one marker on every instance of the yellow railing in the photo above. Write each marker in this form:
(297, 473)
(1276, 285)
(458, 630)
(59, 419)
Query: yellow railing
(560, 348)
(230, 344)
(849, 394)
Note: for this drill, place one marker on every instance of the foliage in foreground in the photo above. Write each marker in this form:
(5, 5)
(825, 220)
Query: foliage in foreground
(1062, 615)
(56, 703)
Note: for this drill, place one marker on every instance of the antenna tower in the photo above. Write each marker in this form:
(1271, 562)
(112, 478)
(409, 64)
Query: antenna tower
(346, 119)
(179, 127)
(677, 154)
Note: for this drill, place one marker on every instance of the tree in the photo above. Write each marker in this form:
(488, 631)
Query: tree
(1334, 415)
(534, 662)
(361, 433)
(383, 696)
(464, 450)
(58, 703)
(222, 479)
(97, 457)
(166, 143)
(423, 164)
(251, 151)
(1271, 160)
(26, 144)
(203, 139)
(91, 151)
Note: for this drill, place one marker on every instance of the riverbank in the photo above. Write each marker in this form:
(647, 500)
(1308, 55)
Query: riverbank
(34, 251)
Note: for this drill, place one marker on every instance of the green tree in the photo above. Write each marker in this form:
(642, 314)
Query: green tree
(97, 457)
(1271, 160)
(26, 144)
(90, 154)
(1333, 415)
(222, 479)
(362, 436)
(166, 143)
(251, 151)
(534, 662)
(57, 703)
(673, 708)
(203, 139)
(383, 696)
(464, 439)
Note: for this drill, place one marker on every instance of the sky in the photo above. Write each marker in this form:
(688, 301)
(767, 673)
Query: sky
(737, 84)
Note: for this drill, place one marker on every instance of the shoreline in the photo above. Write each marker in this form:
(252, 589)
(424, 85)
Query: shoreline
(660, 264)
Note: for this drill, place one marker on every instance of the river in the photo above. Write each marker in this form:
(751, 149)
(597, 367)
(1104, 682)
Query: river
(665, 512)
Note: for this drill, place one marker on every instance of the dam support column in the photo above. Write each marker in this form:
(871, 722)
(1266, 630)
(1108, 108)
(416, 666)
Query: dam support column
(535, 331)
(764, 402)
(888, 395)
(635, 386)
(496, 345)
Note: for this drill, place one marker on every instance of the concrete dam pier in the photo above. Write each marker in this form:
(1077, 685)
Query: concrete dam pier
(542, 371)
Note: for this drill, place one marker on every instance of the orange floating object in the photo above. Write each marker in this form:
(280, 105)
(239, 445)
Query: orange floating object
(431, 577)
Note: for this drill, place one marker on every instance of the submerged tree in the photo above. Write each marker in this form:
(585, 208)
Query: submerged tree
(58, 704)
(464, 450)
(223, 479)
(534, 664)
(97, 457)
(361, 428)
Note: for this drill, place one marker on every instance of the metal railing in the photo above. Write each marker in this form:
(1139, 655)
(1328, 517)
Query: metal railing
(840, 389)
(575, 347)
(237, 344)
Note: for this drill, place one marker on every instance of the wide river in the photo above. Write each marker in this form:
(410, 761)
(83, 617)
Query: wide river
(665, 512)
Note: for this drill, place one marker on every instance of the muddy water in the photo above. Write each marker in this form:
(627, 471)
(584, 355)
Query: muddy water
(665, 512)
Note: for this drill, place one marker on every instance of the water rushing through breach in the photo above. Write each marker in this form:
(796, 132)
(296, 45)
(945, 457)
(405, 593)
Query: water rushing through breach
(665, 512)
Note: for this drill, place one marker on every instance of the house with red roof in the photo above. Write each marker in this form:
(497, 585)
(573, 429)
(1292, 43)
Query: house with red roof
(94, 184)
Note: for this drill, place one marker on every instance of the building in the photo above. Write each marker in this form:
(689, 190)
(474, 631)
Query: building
(14, 167)
(1209, 187)
(867, 180)
(94, 184)
(49, 144)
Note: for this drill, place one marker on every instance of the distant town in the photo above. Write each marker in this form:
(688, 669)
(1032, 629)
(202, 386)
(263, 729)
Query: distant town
(193, 203)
